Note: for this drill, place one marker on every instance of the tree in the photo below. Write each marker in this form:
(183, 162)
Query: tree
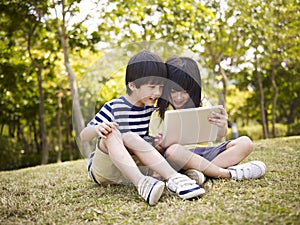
(269, 32)
(64, 12)
(33, 38)
(194, 25)
(29, 28)
(232, 36)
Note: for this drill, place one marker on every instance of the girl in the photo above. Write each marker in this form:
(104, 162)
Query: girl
(184, 91)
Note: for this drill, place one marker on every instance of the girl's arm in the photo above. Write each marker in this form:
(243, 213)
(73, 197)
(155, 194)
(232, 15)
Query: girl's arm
(220, 120)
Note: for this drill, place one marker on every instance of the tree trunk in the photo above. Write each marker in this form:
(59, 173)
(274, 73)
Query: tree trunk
(262, 101)
(225, 84)
(59, 106)
(43, 134)
(217, 61)
(68, 141)
(44, 141)
(274, 102)
(35, 136)
(78, 122)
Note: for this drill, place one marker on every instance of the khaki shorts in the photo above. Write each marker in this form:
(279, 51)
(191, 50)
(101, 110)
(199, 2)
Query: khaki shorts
(103, 171)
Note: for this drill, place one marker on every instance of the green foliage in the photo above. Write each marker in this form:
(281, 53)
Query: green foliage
(178, 21)
(241, 38)
(294, 129)
(14, 156)
(281, 130)
(268, 33)
(255, 132)
(227, 37)
(11, 152)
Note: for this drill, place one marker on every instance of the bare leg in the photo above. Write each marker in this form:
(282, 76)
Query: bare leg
(120, 156)
(177, 183)
(235, 152)
(186, 159)
(148, 155)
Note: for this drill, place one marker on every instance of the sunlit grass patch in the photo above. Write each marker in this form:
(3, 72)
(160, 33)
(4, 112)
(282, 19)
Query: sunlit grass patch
(63, 194)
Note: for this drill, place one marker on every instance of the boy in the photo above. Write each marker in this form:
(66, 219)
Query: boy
(122, 127)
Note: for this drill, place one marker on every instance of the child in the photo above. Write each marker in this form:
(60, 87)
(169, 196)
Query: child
(184, 91)
(121, 126)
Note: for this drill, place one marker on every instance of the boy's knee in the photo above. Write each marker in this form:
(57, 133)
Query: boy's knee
(115, 135)
(130, 135)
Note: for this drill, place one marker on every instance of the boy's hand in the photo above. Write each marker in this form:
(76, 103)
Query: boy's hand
(105, 128)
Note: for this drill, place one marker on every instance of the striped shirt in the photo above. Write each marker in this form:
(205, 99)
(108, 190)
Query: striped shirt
(126, 115)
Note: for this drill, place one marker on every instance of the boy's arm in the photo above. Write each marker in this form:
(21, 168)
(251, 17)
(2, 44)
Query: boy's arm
(101, 130)
(88, 133)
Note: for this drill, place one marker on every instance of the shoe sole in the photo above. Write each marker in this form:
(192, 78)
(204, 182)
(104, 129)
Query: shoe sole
(156, 193)
(191, 193)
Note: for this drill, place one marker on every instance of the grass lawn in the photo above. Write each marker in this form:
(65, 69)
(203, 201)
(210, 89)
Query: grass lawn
(62, 194)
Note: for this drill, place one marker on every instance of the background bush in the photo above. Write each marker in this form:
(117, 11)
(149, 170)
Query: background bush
(11, 153)
(293, 129)
(14, 157)
(255, 132)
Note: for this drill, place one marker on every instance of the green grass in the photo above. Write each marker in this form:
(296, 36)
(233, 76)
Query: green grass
(62, 194)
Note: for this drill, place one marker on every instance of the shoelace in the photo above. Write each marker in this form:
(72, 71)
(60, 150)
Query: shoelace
(245, 172)
(144, 187)
(183, 180)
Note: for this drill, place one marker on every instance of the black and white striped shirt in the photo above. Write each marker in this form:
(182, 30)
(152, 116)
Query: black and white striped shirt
(129, 117)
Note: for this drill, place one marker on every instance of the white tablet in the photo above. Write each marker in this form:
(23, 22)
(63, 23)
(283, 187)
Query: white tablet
(189, 126)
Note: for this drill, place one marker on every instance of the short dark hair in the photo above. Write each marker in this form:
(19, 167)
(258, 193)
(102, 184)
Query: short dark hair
(145, 68)
(183, 74)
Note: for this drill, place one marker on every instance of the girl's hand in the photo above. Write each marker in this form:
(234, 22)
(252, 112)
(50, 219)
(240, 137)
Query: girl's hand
(105, 128)
(219, 118)
(157, 142)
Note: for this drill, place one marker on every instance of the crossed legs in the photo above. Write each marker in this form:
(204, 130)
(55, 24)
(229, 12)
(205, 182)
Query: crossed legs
(118, 145)
(235, 152)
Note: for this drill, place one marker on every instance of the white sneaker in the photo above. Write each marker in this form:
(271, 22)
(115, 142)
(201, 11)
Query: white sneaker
(184, 187)
(195, 175)
(150, 189)
(249, 170)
